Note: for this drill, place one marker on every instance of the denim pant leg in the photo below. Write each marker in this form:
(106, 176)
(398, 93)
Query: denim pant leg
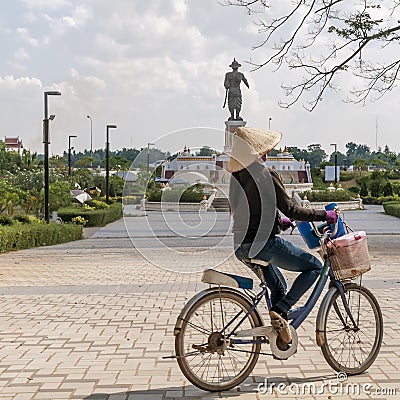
(274, 279)
(276, 283)
(292, 258)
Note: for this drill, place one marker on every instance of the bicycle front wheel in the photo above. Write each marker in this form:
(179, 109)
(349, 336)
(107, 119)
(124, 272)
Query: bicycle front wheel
(206, 355)
(347, 347)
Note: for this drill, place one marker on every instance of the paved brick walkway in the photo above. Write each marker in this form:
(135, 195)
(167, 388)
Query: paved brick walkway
(93, 319)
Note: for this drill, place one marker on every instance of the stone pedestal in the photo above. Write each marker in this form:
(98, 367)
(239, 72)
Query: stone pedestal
(222, 159)
(229, 130)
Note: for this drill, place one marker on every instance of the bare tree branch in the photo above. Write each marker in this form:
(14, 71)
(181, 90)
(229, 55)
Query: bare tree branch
(355, 32)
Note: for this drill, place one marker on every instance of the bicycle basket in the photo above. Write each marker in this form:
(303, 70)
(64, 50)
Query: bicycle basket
(349, 255)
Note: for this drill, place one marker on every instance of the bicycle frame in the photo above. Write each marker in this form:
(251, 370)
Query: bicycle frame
(298, 315)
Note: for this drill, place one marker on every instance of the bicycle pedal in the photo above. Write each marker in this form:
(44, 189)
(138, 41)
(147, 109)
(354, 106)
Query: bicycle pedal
(257, 331)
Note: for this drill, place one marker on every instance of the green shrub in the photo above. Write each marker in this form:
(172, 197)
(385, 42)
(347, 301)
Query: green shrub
(388, 189)
(127, 200)
(326, 195)
(26, 236)
(79, 220)
(317, 179)
(192, 194)
(154, 194)
(5, 220)
(346, 176)
(98, 204)
(375, 187)
(93, 217)
(363, 188)
(392, 208)
(396, 188)
(393, 175)
(22, 218)
(380, 200)
(354, 189)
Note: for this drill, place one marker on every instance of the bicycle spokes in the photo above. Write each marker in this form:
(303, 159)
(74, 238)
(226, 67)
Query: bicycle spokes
(353, 330)
(211, 359)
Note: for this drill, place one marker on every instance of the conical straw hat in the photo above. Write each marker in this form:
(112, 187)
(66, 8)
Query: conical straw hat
(249, 144)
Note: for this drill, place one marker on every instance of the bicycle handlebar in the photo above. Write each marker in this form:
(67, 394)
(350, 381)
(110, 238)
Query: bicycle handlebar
(329, 233)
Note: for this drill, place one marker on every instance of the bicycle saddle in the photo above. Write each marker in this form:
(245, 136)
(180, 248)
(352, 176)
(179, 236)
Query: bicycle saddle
(221, 278)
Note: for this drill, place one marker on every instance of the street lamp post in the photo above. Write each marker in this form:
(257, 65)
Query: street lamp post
(148, 160)
(46, 152)
(334, 144)
(108, 162)
(91, 140)
(69, 153)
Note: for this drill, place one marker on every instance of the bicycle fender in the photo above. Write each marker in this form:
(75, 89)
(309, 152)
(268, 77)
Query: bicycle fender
(323, 309)
(185, 310)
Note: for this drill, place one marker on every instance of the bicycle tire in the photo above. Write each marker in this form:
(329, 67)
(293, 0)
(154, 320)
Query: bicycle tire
(184, 341)
(341, 346)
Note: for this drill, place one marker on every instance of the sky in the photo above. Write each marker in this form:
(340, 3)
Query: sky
(154, 68)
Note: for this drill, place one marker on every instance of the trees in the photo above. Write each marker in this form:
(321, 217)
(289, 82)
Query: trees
(316, 155)
(340, 158)
(360, 164)
(357, 151)
(325, 39)
(205, 151)
(84, 162)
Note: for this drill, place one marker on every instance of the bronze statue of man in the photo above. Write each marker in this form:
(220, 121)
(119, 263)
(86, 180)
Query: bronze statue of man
(233, 93)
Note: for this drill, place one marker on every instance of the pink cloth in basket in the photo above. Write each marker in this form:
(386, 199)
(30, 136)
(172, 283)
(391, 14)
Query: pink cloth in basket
(350, 256)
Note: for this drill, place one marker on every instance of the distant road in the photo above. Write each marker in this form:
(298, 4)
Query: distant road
(199, 226)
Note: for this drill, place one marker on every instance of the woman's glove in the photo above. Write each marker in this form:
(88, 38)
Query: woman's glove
(331, 217)
(286, 223)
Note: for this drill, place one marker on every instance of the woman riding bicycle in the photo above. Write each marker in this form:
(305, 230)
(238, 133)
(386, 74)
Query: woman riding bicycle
(256, 194)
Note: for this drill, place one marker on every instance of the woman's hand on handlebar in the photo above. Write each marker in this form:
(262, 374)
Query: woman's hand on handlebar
(331, 217)
(286, 223)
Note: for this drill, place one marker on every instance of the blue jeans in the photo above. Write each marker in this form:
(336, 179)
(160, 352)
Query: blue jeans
(280, 253)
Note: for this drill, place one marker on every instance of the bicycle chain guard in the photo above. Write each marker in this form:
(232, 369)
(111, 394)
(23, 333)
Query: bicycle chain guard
(283, 354)
(272, 336)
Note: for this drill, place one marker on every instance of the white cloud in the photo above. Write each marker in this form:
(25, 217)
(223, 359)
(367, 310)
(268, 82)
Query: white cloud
(23, 34)
(10, 82)
(46, 4)
(155, 66)
(77, 20)
(251, 28)
(21, 54)
(180, 8)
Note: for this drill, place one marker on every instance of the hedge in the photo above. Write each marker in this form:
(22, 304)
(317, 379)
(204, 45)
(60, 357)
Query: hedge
(93, 217)
(380, 200)
(392, 208)
(25, 236)
(326, 195)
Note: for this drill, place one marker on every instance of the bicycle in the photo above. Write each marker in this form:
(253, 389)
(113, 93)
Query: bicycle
(219, 332)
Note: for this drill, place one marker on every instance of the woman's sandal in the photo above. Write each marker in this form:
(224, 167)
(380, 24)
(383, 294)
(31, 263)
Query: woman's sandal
(281, 326)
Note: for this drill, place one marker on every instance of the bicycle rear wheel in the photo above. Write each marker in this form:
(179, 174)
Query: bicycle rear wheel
(206, 357)
(348, 348)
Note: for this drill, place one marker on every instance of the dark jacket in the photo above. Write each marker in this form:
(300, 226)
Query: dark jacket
(256, 194)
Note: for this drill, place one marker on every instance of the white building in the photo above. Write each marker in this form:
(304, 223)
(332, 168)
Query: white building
(295, 175)
(208, 166)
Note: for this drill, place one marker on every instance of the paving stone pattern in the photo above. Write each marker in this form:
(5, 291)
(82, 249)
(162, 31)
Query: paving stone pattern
(93, 319)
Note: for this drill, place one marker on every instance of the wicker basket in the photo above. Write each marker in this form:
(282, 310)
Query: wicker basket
(349, 256)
